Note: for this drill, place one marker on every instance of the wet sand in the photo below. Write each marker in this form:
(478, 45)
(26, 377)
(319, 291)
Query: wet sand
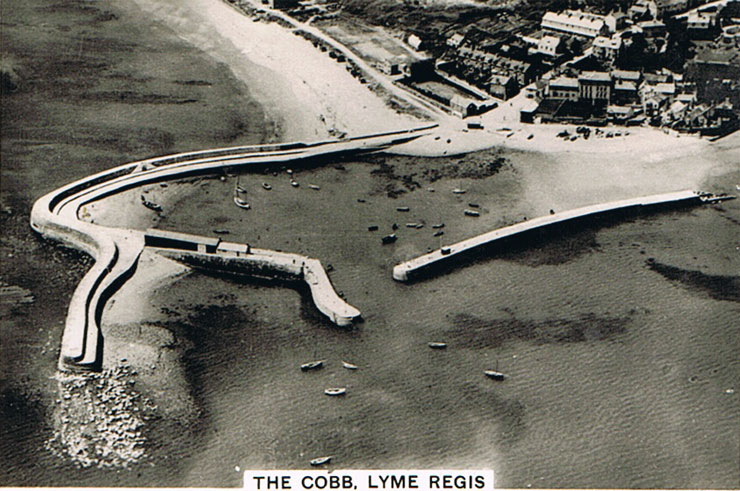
(97, 86)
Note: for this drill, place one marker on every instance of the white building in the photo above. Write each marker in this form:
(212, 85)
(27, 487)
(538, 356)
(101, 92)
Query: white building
(575, 22)
(548, 45)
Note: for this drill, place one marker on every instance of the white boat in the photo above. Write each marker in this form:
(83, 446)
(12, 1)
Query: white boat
(348, 365)
(472, 213)
(312, 365)
(458, 191)
(495, 375)
(321, 460)
(437, 345)
(294, 183)
(241, 203)
(266, 186)
(335, 391)
(314, 186)
(240, 189)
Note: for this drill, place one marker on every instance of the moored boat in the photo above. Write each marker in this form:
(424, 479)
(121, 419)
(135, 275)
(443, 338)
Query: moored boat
(458, 191)
(321, 460)
(314, 187)
(335, 391)
(495, 375)
(403, 208)
(152, 206)
(294, 183)
(472, 213)
(312, 365)
(266, 186)
(389, 239)
(348, 365)
(437, 345)
(241, 203)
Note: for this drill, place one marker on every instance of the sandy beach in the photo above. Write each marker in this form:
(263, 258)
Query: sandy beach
(303, 89)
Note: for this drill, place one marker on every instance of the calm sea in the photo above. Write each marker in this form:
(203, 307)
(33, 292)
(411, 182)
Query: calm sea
(619, 342)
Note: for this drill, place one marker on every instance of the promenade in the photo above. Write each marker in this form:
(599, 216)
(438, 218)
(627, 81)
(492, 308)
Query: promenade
(116, 251)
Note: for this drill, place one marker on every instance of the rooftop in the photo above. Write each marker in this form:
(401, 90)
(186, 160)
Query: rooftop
(565, 82)
(595, 76)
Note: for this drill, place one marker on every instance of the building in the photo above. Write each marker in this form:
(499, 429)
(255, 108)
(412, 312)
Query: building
(595, 87)
(502, 86)
(607, 49)
(616, 21)
(549, 45)
(651, 29)
(625, 92)
(574, 22)
(463, 107)
(643, 9)
(455, 40)
(177, 240)
(392, 66)
(281, 4)
(565, 88)
(670, 7)
(619, 114)
(415, 42)
(626, 76)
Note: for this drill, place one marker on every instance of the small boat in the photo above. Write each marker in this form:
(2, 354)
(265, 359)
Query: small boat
(439, 233)
(266, 186)
(290, 172)
(445, 251)
(321, 460)
(495, 375)
(220, 231)
(163, 184)
(348, 365)
(474, 205)
(312, 365)
(472, 213)
(240, 189)
(372, 228)
(241, 203)
(314, 187)
(403, 208)
(458, 191)
(360, 200)
(294, 183)
(389, 239)
(412, 225)
(438, 225)
(152, 206)
(335, 391)
(437, 345)
(419, 225)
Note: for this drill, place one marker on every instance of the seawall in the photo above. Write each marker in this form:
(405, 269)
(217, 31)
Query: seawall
(116, 251)
(427, 263)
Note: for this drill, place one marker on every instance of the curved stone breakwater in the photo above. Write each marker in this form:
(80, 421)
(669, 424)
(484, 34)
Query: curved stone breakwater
(116, 251)
(423, 265)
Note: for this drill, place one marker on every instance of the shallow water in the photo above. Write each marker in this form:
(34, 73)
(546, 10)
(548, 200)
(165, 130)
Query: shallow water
(618, 369)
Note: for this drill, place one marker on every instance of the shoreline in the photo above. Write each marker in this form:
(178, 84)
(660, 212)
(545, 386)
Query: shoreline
(153, 275)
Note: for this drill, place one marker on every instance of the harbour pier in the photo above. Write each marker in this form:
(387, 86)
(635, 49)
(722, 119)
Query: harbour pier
(56, 216)
(424, 264)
